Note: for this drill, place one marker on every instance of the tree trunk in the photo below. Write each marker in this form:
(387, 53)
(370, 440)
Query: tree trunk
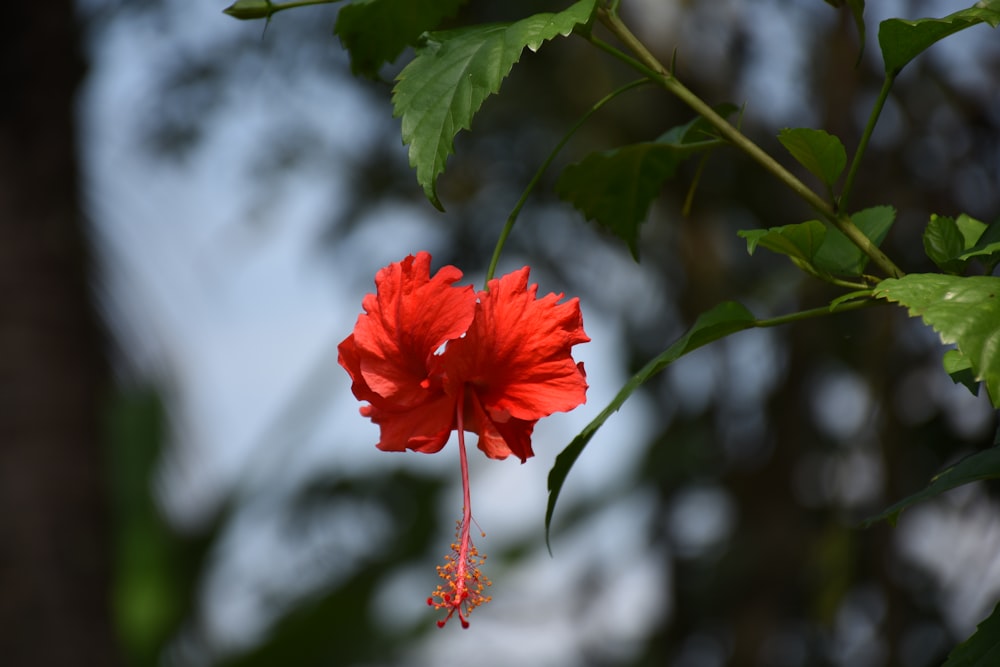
(54, 543)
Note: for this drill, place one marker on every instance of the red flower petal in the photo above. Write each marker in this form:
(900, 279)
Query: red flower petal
(425, 428)
(516, 357)
(498, 439)
(410, 317)
(391, 354)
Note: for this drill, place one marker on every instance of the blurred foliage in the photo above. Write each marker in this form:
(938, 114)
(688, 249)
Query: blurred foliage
(156, 569)
(338, 626)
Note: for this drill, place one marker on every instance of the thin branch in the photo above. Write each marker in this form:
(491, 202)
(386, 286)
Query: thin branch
(650, 66)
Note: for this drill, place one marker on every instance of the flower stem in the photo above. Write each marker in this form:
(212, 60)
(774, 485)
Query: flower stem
(465, 537)
(463, 459)
(516, 211)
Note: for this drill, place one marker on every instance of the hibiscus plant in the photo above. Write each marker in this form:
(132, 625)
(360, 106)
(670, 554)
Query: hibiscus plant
(430, 357)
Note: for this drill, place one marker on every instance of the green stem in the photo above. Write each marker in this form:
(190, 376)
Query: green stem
(652, 67)
(815, 312)
(516, 211)
(852, 173)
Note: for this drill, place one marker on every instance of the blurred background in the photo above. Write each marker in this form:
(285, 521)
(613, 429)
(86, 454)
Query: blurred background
(191, 211)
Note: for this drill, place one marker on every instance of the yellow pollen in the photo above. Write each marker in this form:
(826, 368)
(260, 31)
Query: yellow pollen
(464, 586)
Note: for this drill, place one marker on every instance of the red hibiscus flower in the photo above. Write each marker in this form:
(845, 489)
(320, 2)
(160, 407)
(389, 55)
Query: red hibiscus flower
(391, 356)
(513, 366)
(431, 358)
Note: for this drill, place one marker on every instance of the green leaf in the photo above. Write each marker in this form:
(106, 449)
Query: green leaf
(960, 369)
(982, 649)
(616, 188)
(944, 243)
(453, 73)
(819, 249)
(964, 310)
(818, 151)
(981, 465)
(375, 32)
(800, 241)
(901, 41)
(722, 320)
(972, 230)
(952, 243)
(839, 257)
(986, 247)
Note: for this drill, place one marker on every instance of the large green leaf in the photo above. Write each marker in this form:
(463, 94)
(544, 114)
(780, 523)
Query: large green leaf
(839, 257)
(965, 311)
(820, 152)
(439, 92)
(724, 319)
(616, 188)
(375, 32)
(981, 465)
(901, 41)
(982, 649)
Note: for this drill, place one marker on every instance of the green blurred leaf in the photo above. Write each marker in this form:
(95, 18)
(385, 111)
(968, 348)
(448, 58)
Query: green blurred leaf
(453, 73)
(722, 320)
(964, 310)
(839, 257)
(616, 188)
(960, 369)
(981, 465)
(800, 241)
(901, 41)
(375, 32)
(982, 649)
(155, 570)
(820, 152)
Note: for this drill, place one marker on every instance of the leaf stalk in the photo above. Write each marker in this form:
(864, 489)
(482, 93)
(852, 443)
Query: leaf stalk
(852, 173)
(651, 66)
